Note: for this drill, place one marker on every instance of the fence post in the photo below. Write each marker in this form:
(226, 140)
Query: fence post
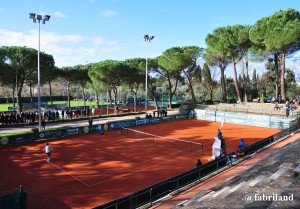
(151, 197)
(22, 197)
(215, 115)
(297, 120)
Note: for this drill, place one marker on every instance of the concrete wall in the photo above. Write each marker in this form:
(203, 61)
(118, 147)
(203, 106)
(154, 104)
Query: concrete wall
(248, 119)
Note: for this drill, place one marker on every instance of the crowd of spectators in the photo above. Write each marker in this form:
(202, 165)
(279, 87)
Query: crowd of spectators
(30, 117)
(161, 112)
(11, 118)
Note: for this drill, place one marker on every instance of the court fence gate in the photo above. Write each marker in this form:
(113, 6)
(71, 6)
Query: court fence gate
(146, 197)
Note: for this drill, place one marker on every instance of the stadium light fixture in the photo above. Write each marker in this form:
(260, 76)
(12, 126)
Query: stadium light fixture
(39, 18)
(147, 38)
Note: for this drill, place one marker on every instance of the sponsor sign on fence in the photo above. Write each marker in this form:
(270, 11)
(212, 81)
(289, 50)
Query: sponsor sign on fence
(122, 124)
(142, 122)
(23, 138)
(52, 134)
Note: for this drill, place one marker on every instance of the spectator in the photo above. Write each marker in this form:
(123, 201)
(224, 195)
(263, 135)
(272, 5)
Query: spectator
(90, 122)
(241, 147)
(63, 114)
(71, 114)
(276, 107)
(93, 111)
(191, 114)
(57, 115)
(199, 163)
(279, 99)
(44, 124)
(287, 109)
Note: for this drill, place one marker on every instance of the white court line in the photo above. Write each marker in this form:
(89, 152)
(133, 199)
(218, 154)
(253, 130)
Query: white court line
(135, 163)
(127, 174)
(59, 168)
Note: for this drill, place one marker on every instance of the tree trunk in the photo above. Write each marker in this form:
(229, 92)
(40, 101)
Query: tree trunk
(282, 80)
(50, 94)
(97, 98)
(13, 96)
(68, 94)
(171, 93)
(154, 99)
(211, 92)
(276, 75)
(236, 83)
(110, 97)
(190, 86)
(83, 95)
(223, 84)
(134, 100)
(115, 90)
(30, 92)
(246, 79)
(19, 100)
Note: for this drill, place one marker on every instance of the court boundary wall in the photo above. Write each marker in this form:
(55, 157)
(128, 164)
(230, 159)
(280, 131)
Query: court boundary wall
(81, 130)
(249, 119)
(147, 197)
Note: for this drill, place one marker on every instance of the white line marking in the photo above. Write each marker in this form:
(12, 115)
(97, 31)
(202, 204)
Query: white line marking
(278, 173)
(255, 181)
(64, 171)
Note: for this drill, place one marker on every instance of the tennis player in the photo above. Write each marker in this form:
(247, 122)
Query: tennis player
(48, 151)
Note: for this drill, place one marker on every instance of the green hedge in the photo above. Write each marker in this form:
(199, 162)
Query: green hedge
(35, 99)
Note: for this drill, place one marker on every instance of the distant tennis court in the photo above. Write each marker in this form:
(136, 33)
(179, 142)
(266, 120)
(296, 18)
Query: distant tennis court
(90, 170)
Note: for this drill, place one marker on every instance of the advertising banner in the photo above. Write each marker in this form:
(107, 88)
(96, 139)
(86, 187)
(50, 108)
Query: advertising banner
(122, 124)
(155, 120)
(142, 122)
(23, 138)
(50, 134)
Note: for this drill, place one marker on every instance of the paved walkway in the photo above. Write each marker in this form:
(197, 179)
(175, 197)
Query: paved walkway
(255, 175)
(75, 123)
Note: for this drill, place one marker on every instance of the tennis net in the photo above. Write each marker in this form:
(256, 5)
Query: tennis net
(180, 144)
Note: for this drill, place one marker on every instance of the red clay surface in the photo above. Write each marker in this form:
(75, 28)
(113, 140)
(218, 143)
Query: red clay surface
(90, 170)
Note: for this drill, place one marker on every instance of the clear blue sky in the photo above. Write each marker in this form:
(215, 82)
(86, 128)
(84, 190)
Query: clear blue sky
(85, 31)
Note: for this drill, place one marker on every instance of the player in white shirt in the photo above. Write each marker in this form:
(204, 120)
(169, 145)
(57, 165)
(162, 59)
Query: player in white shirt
(48, 150)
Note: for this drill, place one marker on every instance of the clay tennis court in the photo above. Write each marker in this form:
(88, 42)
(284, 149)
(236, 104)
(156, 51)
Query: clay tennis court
(90, 170)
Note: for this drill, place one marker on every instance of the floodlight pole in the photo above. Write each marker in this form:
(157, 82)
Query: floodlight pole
(147, 38)
(39, 81)
(35, 17)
